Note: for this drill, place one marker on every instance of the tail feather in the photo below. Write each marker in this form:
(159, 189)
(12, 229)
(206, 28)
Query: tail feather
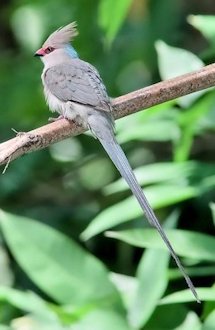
(119, 159)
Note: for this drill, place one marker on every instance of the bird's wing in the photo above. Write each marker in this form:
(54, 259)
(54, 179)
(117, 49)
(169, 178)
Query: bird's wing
(77, 81)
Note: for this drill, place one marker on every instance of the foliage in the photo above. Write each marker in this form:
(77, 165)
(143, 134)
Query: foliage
(58, 268)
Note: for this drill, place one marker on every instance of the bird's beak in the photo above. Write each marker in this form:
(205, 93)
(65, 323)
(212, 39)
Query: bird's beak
(40, 52)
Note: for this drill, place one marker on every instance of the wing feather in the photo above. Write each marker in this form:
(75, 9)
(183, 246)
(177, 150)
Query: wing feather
(77, 81)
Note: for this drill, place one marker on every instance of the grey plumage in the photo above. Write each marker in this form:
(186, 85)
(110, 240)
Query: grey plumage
(75, 89)
(77, 81)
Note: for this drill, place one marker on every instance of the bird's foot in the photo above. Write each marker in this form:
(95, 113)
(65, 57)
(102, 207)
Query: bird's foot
(53, 119)
(18, 133)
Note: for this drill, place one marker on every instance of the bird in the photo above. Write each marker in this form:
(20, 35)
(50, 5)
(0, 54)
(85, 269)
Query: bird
(74, 89)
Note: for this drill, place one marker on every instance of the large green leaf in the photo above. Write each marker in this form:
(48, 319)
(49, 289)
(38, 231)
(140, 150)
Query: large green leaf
(191, 322)
(186, 243)
(205, 24)
(209, 322)
(156, 173)
(158, 124)
(168, 317)
(204, 294)
(126, 285)
(192, 122)
(35, 322)
(102, 320)
(153, 280)
(26, 301)
(111, 15)
(158, 196)
(174, 62)
(55, 263)
(153, 130)
(6, 274)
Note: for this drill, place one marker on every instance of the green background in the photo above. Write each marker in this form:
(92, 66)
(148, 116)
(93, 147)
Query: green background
(75, 250)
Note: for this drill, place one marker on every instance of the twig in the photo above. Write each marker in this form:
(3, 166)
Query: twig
(122, 106)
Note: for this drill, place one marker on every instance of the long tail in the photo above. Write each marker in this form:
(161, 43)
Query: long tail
(119, 159)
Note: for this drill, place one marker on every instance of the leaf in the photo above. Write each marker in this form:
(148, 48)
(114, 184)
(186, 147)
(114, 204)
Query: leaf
(26, 301)
(209, 322)
(55, 263)
(35, 322)
(174, 62)
(212, 206)
(128, 209)
(205, 24)
(126, 285)
(111, 15)
(191, 322)
(190, 122)
(167, 316)
(204, 294)
(158, 124)
(153, 130)
(6, 274)
(186, 243)
(156, 173)
(153, 280)
(102, 320)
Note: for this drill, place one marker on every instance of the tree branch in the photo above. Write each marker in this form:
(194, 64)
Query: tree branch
(122, 106)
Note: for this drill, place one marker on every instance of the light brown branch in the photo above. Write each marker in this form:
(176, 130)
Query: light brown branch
(122, 106)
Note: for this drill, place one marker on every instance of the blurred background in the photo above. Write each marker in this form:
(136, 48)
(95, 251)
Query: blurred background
(66, 203)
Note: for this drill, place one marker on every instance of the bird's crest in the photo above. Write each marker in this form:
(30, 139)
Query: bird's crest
(62, 36)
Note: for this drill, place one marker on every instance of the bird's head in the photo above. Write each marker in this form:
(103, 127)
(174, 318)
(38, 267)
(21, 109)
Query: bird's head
(59, 43)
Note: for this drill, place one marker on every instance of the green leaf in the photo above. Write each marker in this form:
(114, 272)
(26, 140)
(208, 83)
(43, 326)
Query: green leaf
(194, 271)
(158, 124)
(35, 322)
(204, 294)
(186, 243)
(168, 317)
(174, 62)
(153, 280)
(191, 322)
(111, 15)
(209, 322)
(155, 173)
(205, 24)
(153, 130)
(55, 263)
(190, 122)
(6, 274)
(102, 320)
(26, 301)
(128, 209)
(126, 285)
(212, 206)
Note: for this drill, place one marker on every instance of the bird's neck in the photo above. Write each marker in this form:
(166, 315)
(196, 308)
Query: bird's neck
(59, 56)
(71, 51)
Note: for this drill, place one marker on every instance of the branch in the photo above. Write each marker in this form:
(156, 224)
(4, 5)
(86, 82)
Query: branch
(122, 106)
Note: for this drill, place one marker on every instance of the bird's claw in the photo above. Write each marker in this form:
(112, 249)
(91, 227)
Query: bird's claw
(53, 119)
(18, 133)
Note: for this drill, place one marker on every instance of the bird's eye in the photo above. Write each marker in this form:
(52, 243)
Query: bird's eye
(49, 50)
